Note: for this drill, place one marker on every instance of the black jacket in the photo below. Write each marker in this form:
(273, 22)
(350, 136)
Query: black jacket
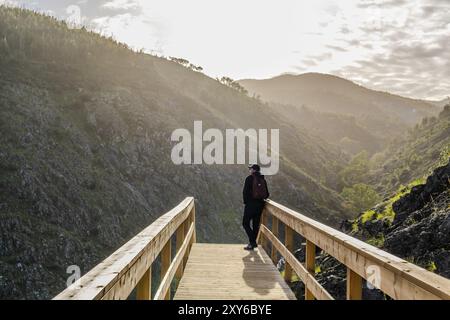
(248, 186)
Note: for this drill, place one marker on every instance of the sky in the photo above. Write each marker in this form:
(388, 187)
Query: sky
(399, 46)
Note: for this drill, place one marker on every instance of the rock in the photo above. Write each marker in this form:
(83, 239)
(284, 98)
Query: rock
(375, 227)
(420, 195)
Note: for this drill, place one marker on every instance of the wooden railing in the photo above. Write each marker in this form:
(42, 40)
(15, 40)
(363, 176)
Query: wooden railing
(396, 277)
(130, 267)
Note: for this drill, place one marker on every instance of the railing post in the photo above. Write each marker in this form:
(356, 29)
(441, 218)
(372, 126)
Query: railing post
(354, 285)
(166, 257)
(186, 227)
(275, 233)
(289, 244)
(310, 264)
(187, 224)
(261, 238)
(180, 236)
(194, 236)
(144, 286)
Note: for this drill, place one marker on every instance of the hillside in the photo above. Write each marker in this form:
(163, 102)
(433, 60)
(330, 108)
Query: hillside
(379, 115)
(342, 130)
(441, 103)
(85, 152)
(414, 223)
(333, 94)
(414, 155)
(413, 218)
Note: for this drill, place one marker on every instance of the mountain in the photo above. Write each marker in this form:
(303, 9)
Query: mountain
(440, 103)
(329, 93)
(378, 115)
(341, 130)
(85, 152)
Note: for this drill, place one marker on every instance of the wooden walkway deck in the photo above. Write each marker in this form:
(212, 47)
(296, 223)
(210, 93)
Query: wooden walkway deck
(227, 271)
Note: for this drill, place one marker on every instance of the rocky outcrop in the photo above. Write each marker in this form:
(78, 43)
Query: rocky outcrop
(422, 195)
(421, 228)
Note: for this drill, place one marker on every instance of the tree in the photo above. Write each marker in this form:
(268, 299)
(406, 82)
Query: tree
(183, 62)
(360, 197)
(445, 112)
(186, 63)
(233, 84)
(226, 81)
(377, 160)
(195, 68)
(356, 171)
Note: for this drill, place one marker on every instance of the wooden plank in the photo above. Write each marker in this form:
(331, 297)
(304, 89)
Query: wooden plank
(354, 285)
(289, 244)
(226, 271)
(117, 276)
(144, 286)
(166, 258)
(307, 278)
(275, 233)
(310, 265)
(164, 288)
(397, 278)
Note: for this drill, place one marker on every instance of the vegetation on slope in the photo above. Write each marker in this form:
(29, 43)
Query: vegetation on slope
(414, 156)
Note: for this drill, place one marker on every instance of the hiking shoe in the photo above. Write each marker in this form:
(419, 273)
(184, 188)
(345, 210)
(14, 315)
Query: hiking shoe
(249, 247)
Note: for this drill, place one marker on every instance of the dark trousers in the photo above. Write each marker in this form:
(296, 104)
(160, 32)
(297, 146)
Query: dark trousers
(252, 216)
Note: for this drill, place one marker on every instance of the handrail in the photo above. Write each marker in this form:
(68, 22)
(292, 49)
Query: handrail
(394, 276)
(129, 267)
(298, 268)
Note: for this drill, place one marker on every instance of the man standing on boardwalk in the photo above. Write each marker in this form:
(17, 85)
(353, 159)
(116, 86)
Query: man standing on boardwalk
(254, 193)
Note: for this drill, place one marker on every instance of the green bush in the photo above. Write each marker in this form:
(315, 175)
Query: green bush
(356, 171)
(360, 197)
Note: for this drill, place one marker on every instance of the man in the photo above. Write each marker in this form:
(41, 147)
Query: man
(254, 193)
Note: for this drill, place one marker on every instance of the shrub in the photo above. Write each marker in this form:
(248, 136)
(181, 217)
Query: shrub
(360, 197)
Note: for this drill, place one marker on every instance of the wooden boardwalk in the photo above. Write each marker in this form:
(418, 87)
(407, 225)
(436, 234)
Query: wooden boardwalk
(227, 271)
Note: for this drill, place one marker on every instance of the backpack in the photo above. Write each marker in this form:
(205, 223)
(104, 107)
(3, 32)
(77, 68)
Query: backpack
(259, 188)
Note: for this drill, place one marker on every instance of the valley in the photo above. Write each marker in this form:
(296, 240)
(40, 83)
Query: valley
(86, 143)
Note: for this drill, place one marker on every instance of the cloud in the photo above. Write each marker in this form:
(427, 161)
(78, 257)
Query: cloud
(122, 4)
(336, 48)
(396, 46)
(399, 46)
